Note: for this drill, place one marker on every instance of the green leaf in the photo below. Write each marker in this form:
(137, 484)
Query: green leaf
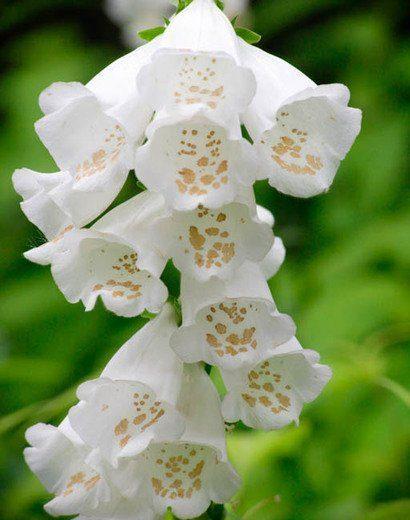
(220, 4)
(166, 20)
(249, 36)
(149, 34)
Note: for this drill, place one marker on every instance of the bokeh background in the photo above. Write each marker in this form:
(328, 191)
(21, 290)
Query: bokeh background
(344, 280)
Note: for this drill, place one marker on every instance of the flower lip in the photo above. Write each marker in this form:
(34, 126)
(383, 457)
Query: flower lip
(105, 266)
(194, 161)
(233, 333)
(271, 394)
(182, 476)
(122, 418)
(214, 243)
(212, 80)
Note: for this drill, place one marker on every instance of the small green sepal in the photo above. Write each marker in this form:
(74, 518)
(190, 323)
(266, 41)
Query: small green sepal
(249, 36)
(149, 34)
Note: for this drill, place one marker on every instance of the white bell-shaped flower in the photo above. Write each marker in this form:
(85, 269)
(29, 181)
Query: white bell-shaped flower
(272, 393)
(81, 483)
(58, 459)
(187, 475)
(94, 147)
(112, 259)
(206, 243)
(232, 324)
(192, 160)
(197, 63)
(133, 403)
(301, 131)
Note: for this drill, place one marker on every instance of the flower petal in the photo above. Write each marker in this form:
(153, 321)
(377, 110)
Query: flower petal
(90, 264)
(181, 79)
(121, 418)
(276, 81)
(37, 204)
(133, 221)
(59, 464)
(94, 148)
(148, 358)
(271, 395)
(206, 243)
(201, 26)
(116, 84)
(60, 94)
(314, 130)
(194, 161)
(230, 325)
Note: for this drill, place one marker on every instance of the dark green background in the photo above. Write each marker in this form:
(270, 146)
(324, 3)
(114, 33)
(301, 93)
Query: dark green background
(344, 280)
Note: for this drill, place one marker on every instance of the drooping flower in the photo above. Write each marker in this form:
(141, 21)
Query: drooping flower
(205, 243)
(272, 393)
(232, 324)
(92, 146)
(62, 463)
(188, 474)
(197, 64)
(193, 160)
(301, 131)
(133, 403)
(112, 259)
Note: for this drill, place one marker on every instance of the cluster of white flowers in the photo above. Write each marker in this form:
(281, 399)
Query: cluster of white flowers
(149, 434)
(134, 16)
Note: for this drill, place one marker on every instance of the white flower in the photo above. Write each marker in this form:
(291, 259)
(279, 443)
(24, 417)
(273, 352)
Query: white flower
(205, 243)
(133, 403)
(197, 63)
(59, 459)
(187, 475)
(232, 324)
(81, 483)
(92, 146)
(192, 160)
(111, 260)
(271, 395)
(301, 131)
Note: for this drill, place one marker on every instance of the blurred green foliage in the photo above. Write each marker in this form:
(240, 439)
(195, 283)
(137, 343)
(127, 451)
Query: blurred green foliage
(344, 280)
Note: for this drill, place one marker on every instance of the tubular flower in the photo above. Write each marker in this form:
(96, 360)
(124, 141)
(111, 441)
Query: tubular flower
(301, 131)
(197, 63)
(148, 434)
(214, 243)
(111, 260)
(230, 325)
(187, 475)
(194, 161)
(133, 403)
(272, 393)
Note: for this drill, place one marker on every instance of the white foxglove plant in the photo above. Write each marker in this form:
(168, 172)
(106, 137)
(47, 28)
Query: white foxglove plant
(148, 434)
